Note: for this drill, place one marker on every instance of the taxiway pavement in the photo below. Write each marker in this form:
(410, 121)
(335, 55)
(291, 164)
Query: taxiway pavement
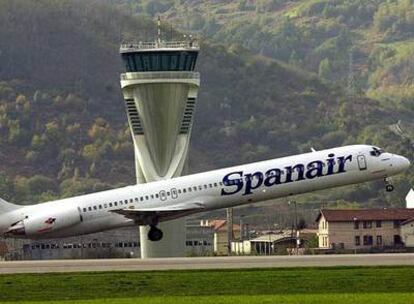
(206, 263)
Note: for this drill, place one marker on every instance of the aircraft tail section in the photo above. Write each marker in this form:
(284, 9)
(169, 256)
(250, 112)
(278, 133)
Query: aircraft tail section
(6, 206)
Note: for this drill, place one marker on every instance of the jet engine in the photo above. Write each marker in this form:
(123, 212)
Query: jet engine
(35, 226)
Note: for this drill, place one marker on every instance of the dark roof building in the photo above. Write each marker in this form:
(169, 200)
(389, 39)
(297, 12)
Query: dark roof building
(346, 215)
(361, 228)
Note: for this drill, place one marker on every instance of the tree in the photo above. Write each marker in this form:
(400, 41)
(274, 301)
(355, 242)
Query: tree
(325, 68)
(6, 186)
(301, 224)
(39, 184)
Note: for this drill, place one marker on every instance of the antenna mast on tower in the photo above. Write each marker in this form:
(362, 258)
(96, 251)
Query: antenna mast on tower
(159, 31)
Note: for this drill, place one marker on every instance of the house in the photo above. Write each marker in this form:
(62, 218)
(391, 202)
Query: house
(362, 228)
(407, 232)
(221, 239)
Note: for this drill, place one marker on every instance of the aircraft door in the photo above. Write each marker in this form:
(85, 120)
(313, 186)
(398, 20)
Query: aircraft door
(174, 193)
(163, 195)
(362, 162)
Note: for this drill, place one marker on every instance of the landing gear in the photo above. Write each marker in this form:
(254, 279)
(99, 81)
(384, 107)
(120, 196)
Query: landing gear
(388, 186)
(154, 234)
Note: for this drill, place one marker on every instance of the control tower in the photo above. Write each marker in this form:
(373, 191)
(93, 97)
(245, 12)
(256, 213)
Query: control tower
(160, 92)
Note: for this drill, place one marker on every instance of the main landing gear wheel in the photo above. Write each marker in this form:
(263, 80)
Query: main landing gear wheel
(388, 186)
(154, 234)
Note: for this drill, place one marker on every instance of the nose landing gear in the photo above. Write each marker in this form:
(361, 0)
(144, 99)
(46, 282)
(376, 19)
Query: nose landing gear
(154, 234)
(388, 186)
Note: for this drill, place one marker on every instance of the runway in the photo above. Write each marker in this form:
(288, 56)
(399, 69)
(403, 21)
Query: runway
(205, 263)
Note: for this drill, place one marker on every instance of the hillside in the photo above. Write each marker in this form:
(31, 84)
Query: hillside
(63, 124)
(318, 35)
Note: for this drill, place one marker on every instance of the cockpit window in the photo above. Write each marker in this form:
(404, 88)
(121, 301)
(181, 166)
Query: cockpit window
(376, 151)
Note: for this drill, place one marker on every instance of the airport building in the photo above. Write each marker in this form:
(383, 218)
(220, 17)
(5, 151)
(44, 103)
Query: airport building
(199, 238)
(273, 243)
(160, 88)
(117, 243)
(365, 229)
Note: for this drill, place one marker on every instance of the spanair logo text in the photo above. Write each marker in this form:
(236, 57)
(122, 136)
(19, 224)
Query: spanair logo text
(239, 181)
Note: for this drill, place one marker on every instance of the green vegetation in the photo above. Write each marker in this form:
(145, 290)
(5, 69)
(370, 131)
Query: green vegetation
(310, 284)
(301, 32)
(394, 298)
(63, 127)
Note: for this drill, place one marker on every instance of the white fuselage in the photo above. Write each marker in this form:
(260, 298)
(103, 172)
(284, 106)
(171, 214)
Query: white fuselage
(212, 190)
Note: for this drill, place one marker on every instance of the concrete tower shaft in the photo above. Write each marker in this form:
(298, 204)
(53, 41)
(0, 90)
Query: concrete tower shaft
(160, 108)
(160, 91)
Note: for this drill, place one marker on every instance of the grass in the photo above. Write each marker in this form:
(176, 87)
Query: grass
(298, 285)
(397, 298)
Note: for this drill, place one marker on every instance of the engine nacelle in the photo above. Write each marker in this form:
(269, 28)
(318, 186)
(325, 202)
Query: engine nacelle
(39, 224)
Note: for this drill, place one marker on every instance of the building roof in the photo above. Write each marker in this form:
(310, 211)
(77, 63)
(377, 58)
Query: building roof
(410, 220)
(221, 225)
(350, 215)
(273, 237)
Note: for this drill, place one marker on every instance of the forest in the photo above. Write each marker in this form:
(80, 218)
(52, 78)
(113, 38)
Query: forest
(279, 84)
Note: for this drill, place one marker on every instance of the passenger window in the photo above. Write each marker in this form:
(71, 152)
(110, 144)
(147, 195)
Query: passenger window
(126, 202)
(205, 186)
(116, 204)
(157, 195)
(141, 198)
(152, 196)
(179, 191)
(110, 204)
(105, 205)
(146, 197)
(200, 187)
(211, 185)
(168, 193)
(84, 209)
(195, 188)
(221, 183)
(136, 199)
(215, 184)
(90, 208)
(100, 206)
(189, 190)
(131, 201)
(94, 208)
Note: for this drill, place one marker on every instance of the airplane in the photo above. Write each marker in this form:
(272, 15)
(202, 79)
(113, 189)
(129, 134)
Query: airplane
(164, 200)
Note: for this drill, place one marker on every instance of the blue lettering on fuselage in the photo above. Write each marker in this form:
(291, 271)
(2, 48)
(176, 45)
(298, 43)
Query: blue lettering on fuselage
(238, 181)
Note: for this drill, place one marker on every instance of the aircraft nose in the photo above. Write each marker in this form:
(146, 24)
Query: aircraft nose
(402, 162)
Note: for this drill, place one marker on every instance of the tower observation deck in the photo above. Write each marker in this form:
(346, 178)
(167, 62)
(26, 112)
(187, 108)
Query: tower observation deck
(160, 90)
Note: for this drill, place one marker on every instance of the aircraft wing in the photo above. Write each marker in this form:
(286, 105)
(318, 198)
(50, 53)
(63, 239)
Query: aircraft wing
(163, 213)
